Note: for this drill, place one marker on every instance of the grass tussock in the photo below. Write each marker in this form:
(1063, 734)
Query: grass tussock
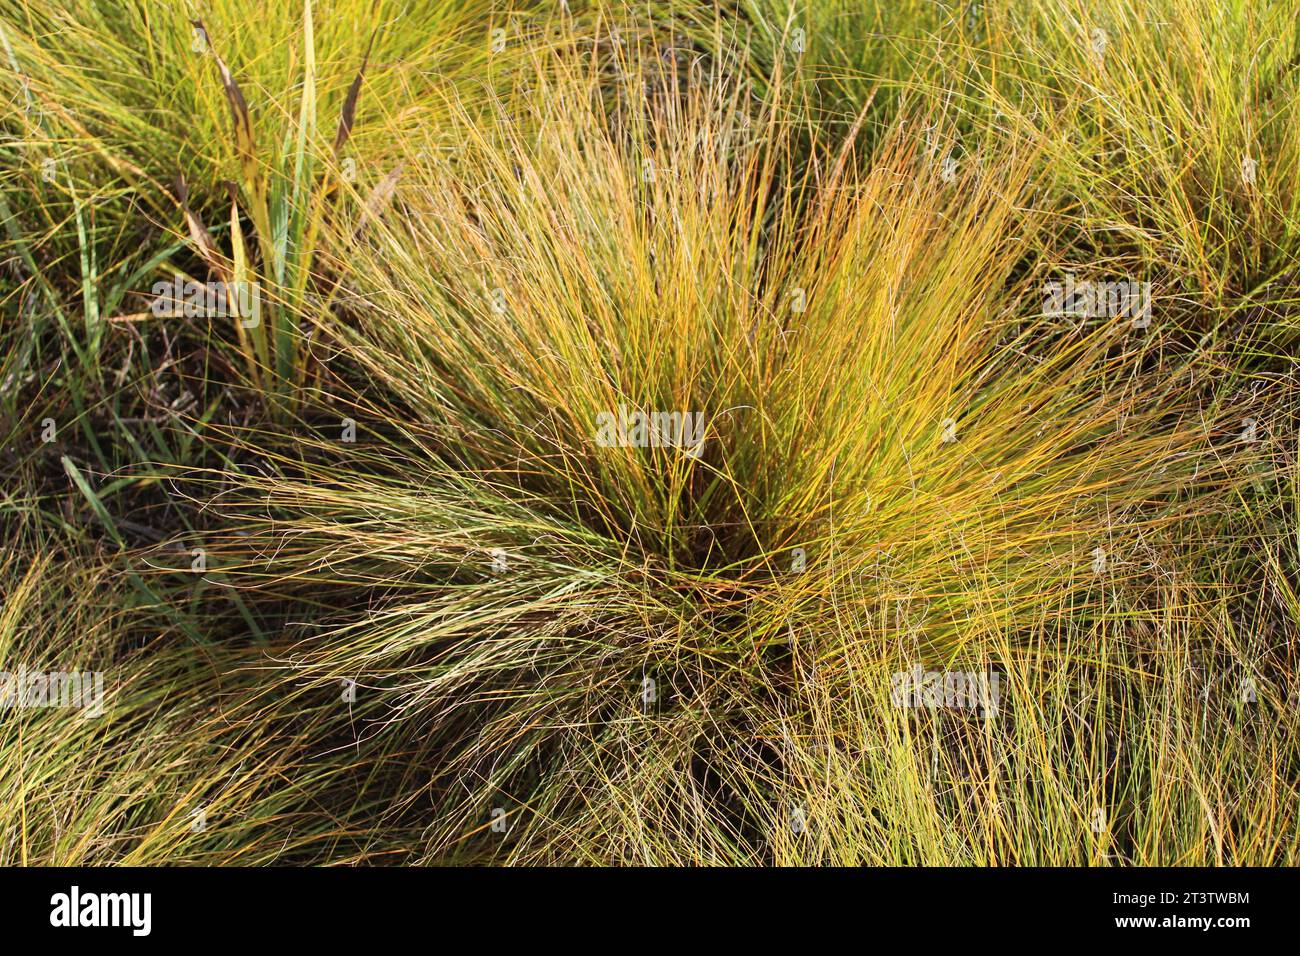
(656, 443)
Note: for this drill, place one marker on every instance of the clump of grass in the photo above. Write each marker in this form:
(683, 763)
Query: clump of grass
(526, 581)
(398, 586)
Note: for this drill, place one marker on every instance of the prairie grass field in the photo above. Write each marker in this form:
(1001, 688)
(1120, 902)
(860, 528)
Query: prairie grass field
(727, 433)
